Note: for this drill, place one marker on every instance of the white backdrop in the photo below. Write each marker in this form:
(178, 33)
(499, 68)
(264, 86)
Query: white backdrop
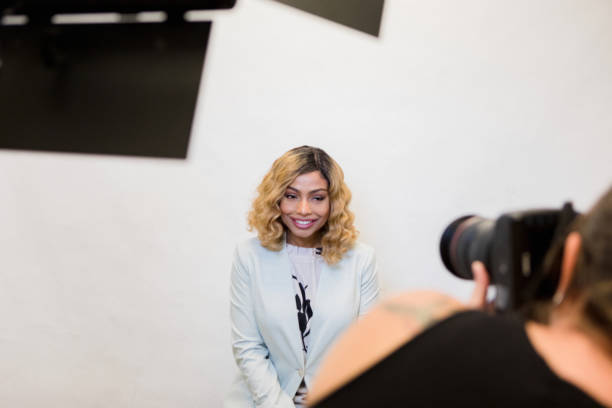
(114, 272)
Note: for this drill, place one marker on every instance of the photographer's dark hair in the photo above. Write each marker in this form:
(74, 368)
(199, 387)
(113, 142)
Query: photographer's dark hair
(593, 273)
(592, 278)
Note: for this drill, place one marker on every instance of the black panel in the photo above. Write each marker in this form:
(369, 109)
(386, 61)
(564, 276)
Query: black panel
(363, 15)
(127, 89)
(123, 6)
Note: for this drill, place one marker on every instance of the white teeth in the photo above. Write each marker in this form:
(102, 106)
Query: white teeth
(303, 222)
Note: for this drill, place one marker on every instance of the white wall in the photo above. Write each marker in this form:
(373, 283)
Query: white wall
(114, 272)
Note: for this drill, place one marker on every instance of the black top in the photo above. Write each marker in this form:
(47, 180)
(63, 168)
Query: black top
(470, 359)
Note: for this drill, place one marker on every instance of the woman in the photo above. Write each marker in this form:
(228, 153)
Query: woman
(429, 352)
(300, 283)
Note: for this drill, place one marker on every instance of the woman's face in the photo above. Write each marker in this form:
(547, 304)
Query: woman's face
(305, 209)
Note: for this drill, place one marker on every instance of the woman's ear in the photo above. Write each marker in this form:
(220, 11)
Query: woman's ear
(571, 250)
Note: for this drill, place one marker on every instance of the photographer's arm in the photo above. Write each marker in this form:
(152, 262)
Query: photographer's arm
(386, 328)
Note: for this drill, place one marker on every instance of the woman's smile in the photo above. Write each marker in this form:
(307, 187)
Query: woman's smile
(304, 224)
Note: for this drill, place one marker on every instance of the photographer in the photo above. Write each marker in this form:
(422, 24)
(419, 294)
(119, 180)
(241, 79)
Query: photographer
(427, 349)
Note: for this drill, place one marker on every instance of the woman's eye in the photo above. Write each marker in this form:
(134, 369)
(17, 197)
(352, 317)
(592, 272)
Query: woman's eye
(291, 196)
(319, 198)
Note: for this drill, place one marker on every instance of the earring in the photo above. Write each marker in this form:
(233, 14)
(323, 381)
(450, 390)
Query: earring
(558, 298)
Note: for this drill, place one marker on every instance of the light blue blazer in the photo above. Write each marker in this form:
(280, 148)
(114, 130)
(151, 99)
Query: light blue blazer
(266, 339)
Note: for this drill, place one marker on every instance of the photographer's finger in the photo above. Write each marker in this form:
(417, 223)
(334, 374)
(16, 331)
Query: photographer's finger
(478, 300)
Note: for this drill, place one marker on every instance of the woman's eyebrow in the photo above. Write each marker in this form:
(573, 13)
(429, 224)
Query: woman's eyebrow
(310, 192)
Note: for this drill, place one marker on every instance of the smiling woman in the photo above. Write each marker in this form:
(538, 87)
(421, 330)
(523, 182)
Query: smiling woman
(337, 235)
(305, 209)
(300, 283)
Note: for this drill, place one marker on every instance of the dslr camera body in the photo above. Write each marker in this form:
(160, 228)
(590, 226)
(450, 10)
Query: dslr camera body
(513, 248)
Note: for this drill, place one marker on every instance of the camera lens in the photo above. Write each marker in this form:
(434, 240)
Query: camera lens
(465, 240)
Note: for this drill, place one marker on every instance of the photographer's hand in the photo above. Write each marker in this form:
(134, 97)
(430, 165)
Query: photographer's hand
(478, 300)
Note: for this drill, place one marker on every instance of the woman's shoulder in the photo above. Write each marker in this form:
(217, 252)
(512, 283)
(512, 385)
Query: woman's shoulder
(252, 247)
(359, 254)
(248, 243)
(248, 246)
(360, 249)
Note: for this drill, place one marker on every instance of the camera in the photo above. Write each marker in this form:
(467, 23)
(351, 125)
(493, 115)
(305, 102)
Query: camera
(513, 248)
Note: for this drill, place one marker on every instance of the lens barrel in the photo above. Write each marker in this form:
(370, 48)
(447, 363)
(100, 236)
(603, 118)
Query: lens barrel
(465, 240)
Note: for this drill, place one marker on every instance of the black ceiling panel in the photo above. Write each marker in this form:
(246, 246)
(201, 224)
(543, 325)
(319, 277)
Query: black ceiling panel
(362, 15)
(125, 89)
(120, 6)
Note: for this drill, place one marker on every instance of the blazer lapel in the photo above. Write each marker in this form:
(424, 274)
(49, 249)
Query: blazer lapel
(281, 294)
(323, 304)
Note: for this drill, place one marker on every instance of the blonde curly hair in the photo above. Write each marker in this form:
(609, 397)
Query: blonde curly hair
(338, 234)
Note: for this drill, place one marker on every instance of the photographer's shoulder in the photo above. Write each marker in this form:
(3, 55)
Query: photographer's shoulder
(383, 330)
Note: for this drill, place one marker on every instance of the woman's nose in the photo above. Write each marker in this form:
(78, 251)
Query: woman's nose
(303, 207)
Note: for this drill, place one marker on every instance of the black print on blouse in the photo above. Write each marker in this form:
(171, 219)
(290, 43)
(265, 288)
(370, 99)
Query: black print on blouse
(304, 312)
